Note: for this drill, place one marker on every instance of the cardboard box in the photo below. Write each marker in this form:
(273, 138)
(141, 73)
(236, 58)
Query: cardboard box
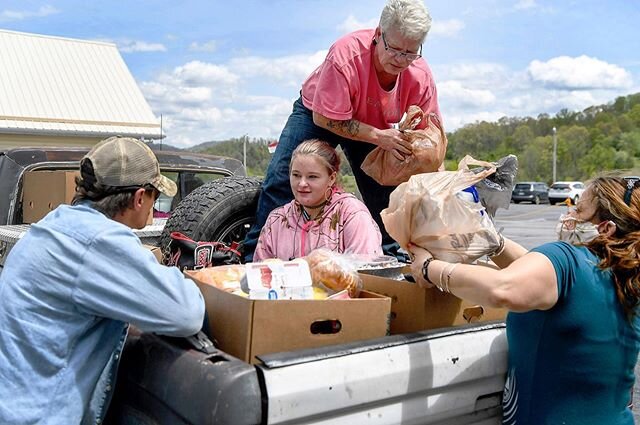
(247, 328)
(43, 191)
(416, 309)
(156, 251)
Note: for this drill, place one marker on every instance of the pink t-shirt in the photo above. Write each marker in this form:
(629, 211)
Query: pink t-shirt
(345, 85)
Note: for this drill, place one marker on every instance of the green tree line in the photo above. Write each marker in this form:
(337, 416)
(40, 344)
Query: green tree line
(599, 138)
(604, 137)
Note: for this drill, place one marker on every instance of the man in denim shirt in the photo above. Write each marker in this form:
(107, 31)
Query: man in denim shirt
(71, 286)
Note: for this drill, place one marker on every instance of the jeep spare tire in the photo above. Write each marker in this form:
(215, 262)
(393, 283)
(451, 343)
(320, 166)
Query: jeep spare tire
(220, 210)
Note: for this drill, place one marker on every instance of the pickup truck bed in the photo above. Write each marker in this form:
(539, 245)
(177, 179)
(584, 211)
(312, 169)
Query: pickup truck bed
(445, 376)
(10, 234)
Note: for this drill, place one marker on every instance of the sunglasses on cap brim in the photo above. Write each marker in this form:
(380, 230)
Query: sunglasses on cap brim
(632, 183)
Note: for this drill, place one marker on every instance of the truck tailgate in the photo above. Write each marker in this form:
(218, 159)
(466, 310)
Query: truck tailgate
(453, 376)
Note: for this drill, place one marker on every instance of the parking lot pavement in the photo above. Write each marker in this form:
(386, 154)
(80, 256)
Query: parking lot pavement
(533, 225)
(530, 225)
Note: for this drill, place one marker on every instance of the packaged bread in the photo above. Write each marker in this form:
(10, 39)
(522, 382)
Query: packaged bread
(226, 278)
(332, 272)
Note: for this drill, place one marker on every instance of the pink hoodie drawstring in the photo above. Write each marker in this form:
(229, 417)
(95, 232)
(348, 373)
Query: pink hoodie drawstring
(303, 236)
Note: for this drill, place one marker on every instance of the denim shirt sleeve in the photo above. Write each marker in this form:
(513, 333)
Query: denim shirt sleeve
(122, 280)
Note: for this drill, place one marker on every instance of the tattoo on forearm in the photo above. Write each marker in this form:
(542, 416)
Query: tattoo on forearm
(349, 127)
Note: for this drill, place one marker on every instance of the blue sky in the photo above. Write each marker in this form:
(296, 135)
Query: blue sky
(221, 69)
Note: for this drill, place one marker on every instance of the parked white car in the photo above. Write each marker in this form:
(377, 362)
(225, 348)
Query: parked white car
(560, 191)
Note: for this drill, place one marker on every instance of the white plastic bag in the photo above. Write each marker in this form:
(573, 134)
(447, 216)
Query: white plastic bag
(426, 211)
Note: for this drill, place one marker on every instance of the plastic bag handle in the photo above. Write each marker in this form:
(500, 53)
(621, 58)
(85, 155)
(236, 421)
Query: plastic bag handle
(466, 177)
(469, 160)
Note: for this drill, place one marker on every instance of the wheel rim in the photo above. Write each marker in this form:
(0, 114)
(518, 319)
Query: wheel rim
(236, 231)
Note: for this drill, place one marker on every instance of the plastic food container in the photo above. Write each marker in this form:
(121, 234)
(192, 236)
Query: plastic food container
(380, 265)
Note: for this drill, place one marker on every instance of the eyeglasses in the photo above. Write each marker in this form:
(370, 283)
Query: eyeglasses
(632, 183)
(410, 57)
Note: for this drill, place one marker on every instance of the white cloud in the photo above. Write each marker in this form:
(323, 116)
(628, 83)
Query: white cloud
(457, 120)
(581, 72)
(526, 4)
(202, 101)
(130, 46)
(352, 24)
(208, 46)
(289, 70)
(456, 93)
(553, 100)
(18, 15)
(488, 91)
(489, 72)
(201, 73)
(447, 28)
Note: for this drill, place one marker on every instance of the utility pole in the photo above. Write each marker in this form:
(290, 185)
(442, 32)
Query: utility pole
(244, 149)
(555, 147)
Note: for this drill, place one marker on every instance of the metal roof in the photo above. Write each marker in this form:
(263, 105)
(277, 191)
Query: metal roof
(61, 86)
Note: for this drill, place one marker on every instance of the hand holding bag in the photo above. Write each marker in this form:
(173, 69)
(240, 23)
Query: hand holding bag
(427, 211)
(428, 145)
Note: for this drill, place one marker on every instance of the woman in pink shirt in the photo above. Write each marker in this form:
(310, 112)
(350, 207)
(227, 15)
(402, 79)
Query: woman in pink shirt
(367, 81)
(321, 215)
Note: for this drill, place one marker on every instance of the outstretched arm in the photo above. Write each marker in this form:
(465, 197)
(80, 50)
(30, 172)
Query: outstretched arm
(527, 283)
(389, 139)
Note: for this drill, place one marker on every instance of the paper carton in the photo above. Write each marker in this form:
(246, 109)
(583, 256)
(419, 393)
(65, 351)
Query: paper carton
(415, 309)
(156, 251)
(43, 191)
(247, 328)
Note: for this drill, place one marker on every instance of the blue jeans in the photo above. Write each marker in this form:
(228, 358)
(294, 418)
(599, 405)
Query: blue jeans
(276, 190)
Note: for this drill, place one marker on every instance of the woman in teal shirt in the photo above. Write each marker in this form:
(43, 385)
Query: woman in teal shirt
(572, 327)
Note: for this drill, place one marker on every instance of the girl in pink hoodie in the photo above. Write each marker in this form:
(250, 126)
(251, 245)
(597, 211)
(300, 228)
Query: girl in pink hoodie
(321, 215)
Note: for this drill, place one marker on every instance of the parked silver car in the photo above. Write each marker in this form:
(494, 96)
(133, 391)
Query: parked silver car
(561, 191)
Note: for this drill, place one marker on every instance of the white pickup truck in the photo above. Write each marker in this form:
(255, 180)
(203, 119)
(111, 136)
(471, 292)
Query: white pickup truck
(443, 376)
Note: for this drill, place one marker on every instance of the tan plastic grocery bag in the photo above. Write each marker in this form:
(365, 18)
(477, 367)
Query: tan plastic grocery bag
(428, 149)
(429, 212)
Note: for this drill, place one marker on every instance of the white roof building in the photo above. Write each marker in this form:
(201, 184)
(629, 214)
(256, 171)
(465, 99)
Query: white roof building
(63, 91)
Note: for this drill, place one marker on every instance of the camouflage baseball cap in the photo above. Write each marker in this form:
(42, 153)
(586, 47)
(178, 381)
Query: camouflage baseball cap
(127, 162)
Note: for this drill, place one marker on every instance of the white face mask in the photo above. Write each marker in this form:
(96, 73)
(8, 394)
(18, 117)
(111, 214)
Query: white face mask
(574, 231)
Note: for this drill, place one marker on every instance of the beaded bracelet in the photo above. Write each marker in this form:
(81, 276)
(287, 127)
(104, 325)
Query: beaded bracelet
(425, 269)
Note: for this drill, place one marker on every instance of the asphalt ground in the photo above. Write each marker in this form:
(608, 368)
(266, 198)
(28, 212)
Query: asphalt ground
(533, 225)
